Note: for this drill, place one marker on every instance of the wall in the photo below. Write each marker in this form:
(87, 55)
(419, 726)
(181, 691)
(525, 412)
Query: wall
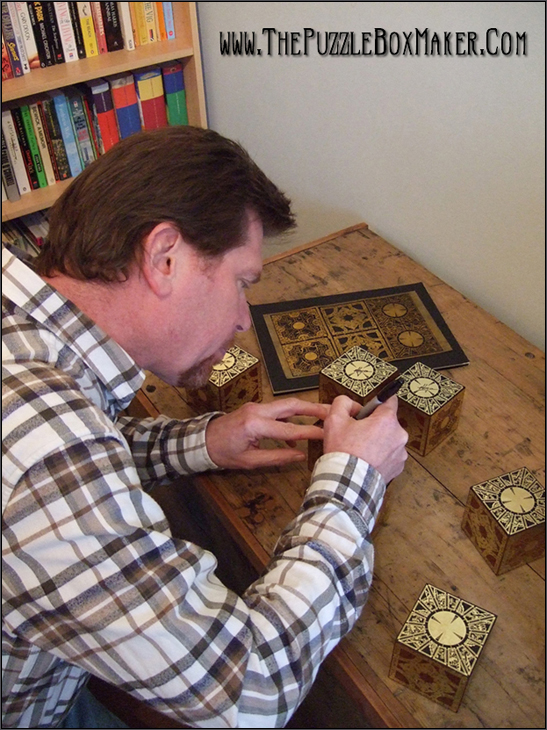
(441, 155)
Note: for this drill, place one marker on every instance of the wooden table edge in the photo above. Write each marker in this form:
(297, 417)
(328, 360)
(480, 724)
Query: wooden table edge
(312, 244)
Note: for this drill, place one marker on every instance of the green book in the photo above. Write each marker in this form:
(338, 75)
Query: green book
(33, 145)
(175, 92)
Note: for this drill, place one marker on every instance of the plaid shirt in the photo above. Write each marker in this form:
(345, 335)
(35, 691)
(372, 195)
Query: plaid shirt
(93, 580)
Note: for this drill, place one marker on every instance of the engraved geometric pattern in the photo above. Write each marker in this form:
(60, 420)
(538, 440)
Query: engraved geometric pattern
(447, 629)
(516, 500)
(234, 362)
(444, 687)
(309, 357)
(359, 370)
(426, 389)
(302, 324)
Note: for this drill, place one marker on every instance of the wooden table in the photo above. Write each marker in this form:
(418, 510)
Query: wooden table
(418, 537)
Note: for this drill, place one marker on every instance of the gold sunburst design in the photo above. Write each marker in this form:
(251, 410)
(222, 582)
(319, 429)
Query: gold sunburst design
(426, 389)
(359, 370)
(516, 500)
(234, 362)
(447, 629)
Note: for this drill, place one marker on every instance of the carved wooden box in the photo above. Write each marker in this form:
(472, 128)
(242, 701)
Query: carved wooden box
(505, 520)
(439, 645)
(235, 380)
(429, 407)
(358, 374)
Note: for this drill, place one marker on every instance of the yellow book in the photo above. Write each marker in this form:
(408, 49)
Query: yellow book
(150, 22)
(137, 16)
(88, 30)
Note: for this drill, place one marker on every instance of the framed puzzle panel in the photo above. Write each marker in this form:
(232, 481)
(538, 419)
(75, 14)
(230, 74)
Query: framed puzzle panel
(400, 324)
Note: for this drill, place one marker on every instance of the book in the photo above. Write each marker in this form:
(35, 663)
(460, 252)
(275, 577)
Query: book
(64, 118)
(14, 153)
(24, 147)
(175, 93)
(105, 113)
(112, 26)
(54, 32)
(91, 120)
(7, 72)
(150, 22)
(27, 34)
(41, 35)
(19, 40)
(66, 32)
(81, 126)
(88, 29)
(8, 34)
(48, 140)
(151, 99)
(169, 20)
(160, 21)
(77, 29)
(124, 98)
(57, 149)
(139, 24)
(33, 144)
(8, 176)
(126, 26)
(98, 24)
(40, 135)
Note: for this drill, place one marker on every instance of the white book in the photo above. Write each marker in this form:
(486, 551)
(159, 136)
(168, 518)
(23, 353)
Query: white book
(126, 26)
(14, 17)
(14, 153)
(28, 35)
(68, 40)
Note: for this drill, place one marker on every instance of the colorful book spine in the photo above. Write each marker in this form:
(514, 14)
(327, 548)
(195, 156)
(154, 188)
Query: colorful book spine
(139, 25)
(7, 72)
(124, 97)
(151, 98)
(19, 40)
(106, 115)
(88, 29)
(66, 32)
(126, 26)
(25, 148)
(8, 176)
(49, 143)
(8, 34)
(40, 135)
(92, 124)
(169, 20)
(15, 154)
(98, 23)
(81, 128)
(160, 22)
(112, 26)
(33, 144)
(53, 129)
(64, 118)
(41, 36)
(150, 22)
(76, 29)
(54, 32)
(28, 36)
(175, 93)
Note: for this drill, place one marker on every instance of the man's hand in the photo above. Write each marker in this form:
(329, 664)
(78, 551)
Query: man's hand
(233, 440)
(378, 439)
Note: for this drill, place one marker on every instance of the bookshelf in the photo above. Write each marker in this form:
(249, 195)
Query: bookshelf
(184, 47)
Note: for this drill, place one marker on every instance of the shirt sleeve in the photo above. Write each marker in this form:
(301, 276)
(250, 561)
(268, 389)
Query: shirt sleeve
(94, 578)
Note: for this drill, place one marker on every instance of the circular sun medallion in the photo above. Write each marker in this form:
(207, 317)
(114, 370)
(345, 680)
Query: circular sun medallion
(517, 500)
(410, 338)
(394, 310)
(298, 326)
(227, 362)
(447, 628)
(424, 387)
(359, 370)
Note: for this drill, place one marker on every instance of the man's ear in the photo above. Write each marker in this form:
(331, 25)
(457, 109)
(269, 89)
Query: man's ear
(161, 252)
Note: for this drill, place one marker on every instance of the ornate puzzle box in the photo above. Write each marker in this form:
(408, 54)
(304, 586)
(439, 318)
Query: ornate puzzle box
(400, 324)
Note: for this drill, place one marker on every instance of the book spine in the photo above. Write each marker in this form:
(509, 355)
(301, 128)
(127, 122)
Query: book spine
(126, 26)
(7, 71)
(39, 28)
(150, 22)
(124, 98)
(54, 32)
(76, 29)
(25, 148)
(49, 142)
(19, 40)
(99, 26)
(65, 123)
(8, 176)
(40, 135)
(169, 20)
(106, 116)
(27, 34)
(79, 120)
(175, 94)
(151, 99)
(15, 154)
(92, 126)
(33, 144)
(160, 21)
(8, 33)
(139, 25)
(112, 26)
(88, 29)
(68, 40)
(51, 124)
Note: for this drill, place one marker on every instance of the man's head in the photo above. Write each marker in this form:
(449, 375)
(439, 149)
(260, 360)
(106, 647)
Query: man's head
(203, 183)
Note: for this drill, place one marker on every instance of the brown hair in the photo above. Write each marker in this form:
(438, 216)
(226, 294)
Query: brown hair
(202, 182)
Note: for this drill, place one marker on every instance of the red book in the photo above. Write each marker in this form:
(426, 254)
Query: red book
(105, 114)
(98, 22)
(152, 105)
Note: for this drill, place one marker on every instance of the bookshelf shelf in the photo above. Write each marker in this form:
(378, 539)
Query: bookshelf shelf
(185, 46)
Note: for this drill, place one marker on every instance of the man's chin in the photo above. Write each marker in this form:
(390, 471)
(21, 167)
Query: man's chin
(197, 376)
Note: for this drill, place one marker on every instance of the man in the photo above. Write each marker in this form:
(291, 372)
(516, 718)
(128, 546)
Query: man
(150, 251)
